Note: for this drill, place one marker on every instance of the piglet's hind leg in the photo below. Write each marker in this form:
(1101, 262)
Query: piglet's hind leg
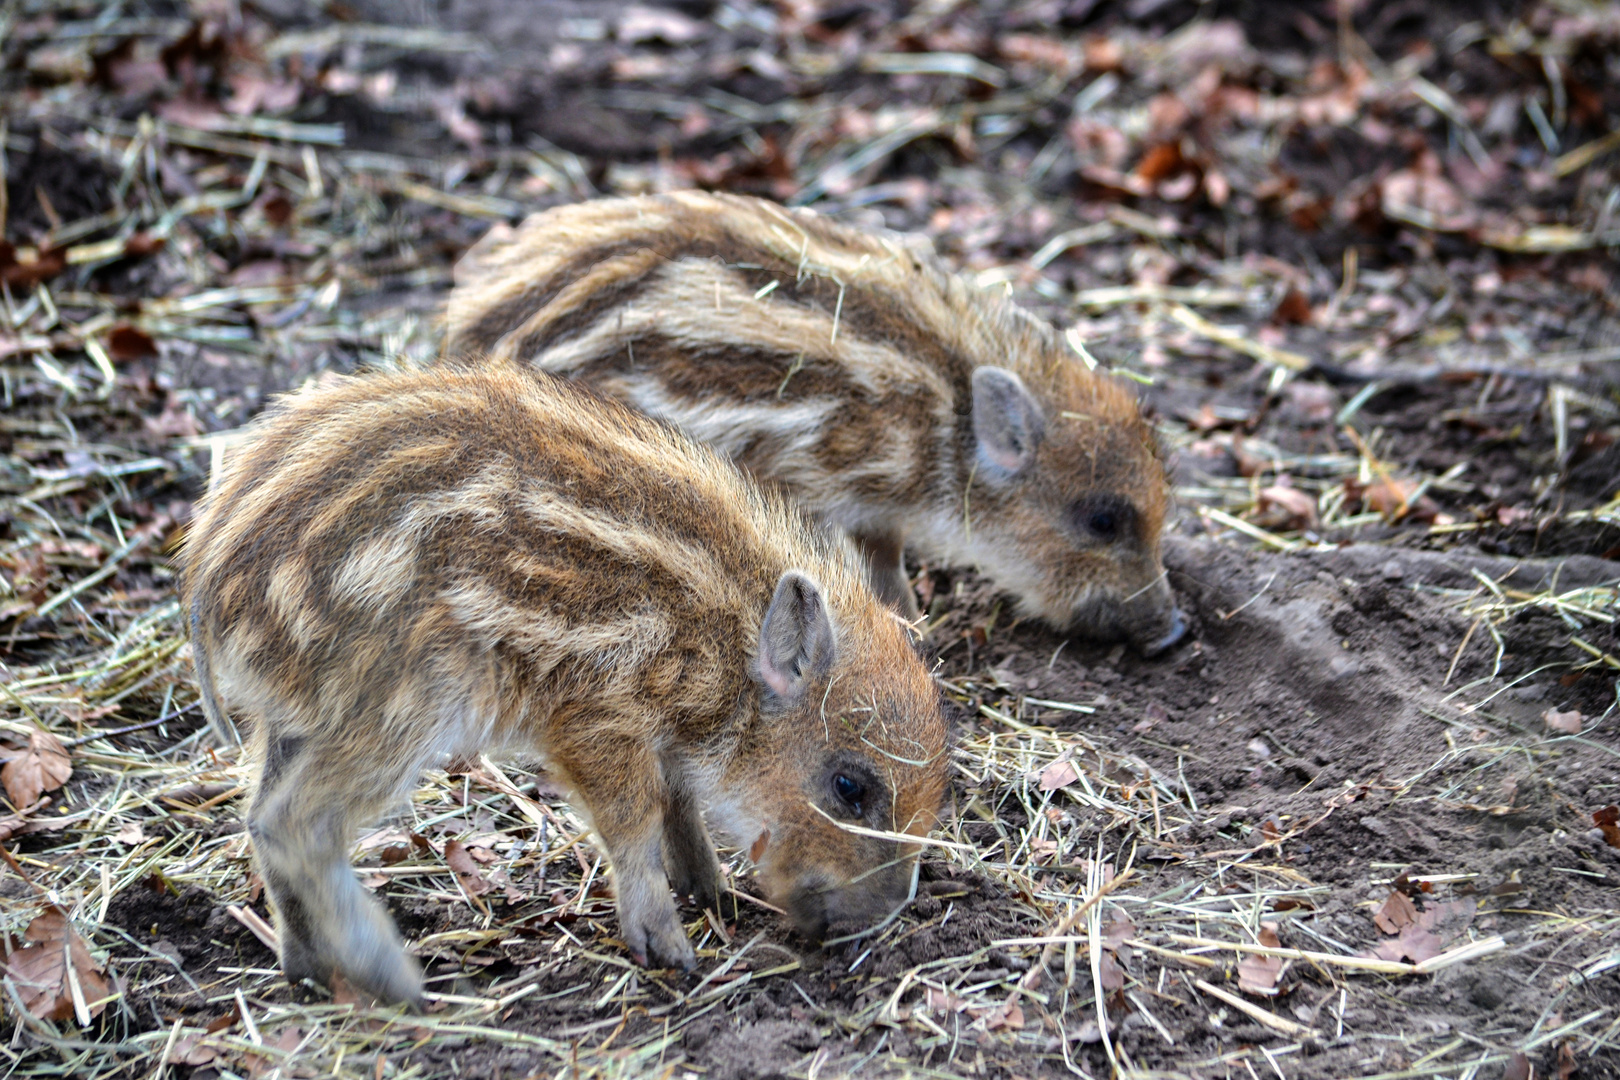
(301, 820)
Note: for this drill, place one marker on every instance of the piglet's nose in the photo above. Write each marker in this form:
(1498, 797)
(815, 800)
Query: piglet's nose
(1178, 630)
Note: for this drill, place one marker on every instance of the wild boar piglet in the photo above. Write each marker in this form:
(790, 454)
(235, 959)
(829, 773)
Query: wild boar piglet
(888, 396)
(399, 569)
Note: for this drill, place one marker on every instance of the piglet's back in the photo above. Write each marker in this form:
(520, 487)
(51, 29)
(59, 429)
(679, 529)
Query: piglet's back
(430, 524)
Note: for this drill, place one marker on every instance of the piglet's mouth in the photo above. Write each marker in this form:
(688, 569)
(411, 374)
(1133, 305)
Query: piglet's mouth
(806, 908)
(830, 916)
(1176, 631)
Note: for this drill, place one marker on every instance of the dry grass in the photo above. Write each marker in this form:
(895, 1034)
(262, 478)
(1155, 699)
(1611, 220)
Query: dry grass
(1090, 862)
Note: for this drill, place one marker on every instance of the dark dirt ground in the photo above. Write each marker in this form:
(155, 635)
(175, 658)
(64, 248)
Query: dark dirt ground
(1342, 713)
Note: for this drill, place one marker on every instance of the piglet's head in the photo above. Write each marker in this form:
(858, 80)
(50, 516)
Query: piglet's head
(849, 756)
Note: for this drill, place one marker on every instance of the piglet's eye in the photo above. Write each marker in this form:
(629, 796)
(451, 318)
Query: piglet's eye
(1102, 518)
(849, 790)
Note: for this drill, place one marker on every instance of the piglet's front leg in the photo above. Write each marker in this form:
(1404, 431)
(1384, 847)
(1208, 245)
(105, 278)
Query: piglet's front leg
(689, 856)
(885, 557)
(627, 798)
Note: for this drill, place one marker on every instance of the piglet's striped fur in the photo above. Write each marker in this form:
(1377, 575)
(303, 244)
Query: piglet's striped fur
(402, 568)
(887, 396)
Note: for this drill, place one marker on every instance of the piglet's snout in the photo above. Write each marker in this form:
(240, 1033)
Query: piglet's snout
(818, 902)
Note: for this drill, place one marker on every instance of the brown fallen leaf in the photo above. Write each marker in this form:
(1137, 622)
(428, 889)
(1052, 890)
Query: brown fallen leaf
(125, 342)
(1058, 774)
(1397, 913)
(190, 1049)
(223, 1022)
(43, 766)
(144, 243)
(1007, 1018)
(1258, 975)
(25, 267)
(1294, 308)
(1426, 937)
(466, 870)
(1112, 974)
(1389, 497)
(1404, 883)
(25, 823)
(1287, 508)
(1566, 723)
(1607, 821)
(1117, 931)
(1161, 162)
(1518, 1068)
(1413, 946)
(53, 970)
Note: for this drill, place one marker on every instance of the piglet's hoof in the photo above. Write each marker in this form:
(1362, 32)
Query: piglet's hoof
(663, 944)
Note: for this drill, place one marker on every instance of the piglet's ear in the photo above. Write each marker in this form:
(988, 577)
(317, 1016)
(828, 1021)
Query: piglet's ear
(1007, 421)
(796, 640)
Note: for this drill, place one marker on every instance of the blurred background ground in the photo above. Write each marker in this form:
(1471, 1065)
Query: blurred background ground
(1359, 258)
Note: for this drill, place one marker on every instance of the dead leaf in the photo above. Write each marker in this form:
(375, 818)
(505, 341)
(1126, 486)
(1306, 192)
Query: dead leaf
(1511, 886)
(1518, 1068)
(1161, 163)
(1389, 497)
(1426, 937)
(130, 833)
(1258, 975)
(944, 1001)
(1607, 821)
(1117, 931)
(1108, 967)
(1422, 196)
(1043, 851)
(1287, 507)
(1414, 946)
(144, 243)
(756, 851)
(252, 93)
(223, 1022)
(190, 112)
(1058, 774)
(641, 23)
(40, 969)
(461, 863)
(191, 1049)
(277, 208)
(1567, 723)
(1007, 1018)
(1397, 913)
(43, 767)
(259, 273)
(125, 342)
(1314, 401)
(384, 840)
(175, 422)
(26, 267)
(1292, 308)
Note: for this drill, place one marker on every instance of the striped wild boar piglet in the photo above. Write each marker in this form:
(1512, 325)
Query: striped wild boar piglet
(886, 395)
(400, 569)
